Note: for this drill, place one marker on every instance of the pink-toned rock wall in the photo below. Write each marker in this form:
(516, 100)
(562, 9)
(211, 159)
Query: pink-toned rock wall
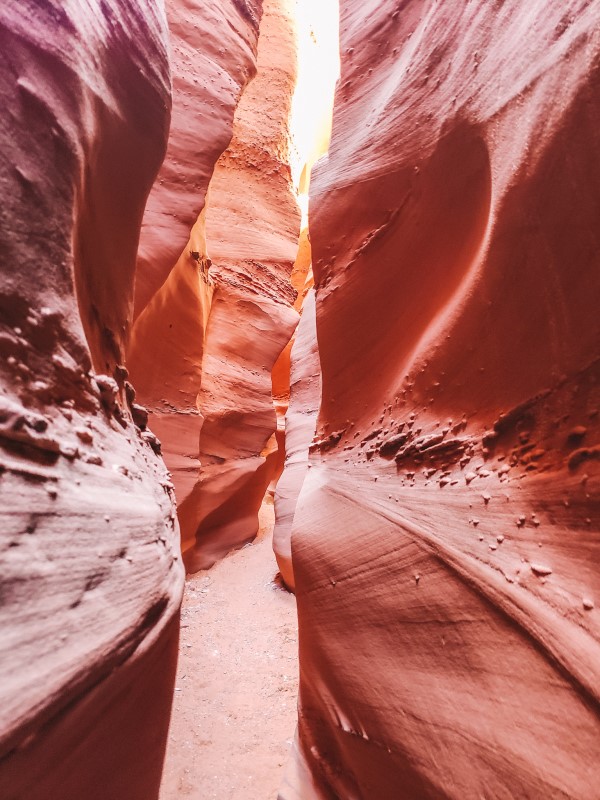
(90, 568)
(213, 56)
(213, 48)
(251, 233)
(300, 424)
(203, 349)
(447, 537)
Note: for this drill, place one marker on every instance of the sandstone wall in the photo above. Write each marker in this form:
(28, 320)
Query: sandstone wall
(213, 56)
(203, 349)
(213, 47)
(447, 536)
(252, 226)
(91, 575)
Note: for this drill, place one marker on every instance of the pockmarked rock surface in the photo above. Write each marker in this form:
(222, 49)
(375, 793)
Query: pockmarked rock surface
(447, 536)
(91, 572)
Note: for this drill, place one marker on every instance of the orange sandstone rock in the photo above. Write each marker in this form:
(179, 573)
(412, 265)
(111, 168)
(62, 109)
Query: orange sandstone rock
(213, 56)
(203, 348)
(445, 543)
(91, 574)
(252, 224)
(213, 48)
(300, 424)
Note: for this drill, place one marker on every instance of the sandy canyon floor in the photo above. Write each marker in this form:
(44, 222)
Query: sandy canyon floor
(234, 710)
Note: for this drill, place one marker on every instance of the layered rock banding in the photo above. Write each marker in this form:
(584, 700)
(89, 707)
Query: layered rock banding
(214, 56)
(204, 347)
(252, 228)
(445, 524)
(446, 540)
(300, 424)
(91, 571)
(317, 26)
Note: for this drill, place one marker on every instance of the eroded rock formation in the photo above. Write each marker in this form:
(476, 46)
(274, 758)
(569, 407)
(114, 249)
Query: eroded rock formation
(203, 348)
(447, 537)
(91, 571)
(214, 56)
(445, 520)
(300, 405)
(252, 228)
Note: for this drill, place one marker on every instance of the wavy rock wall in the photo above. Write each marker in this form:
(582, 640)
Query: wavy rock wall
(213, 56)
(447, 537)
(300, 425)
(91, 574)
(213, 47)
(299, 378)
(204, 345)
(252, 223)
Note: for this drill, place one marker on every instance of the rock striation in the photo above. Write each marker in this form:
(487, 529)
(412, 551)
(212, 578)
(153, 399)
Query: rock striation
(447, 535)
(214, 56)
(89, 543)
(438, 514)
(252, 225)
(300, 425)
(203, 348)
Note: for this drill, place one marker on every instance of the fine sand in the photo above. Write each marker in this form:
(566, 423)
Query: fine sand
(234, 710)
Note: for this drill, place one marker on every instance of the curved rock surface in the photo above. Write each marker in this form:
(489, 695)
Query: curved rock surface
(252, 222)
(91, 575)
(447, 537)
(213, 48)
(203, 348)
(300, 425)
(213, 56)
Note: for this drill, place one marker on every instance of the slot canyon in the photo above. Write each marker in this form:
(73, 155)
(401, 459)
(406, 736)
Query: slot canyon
(299, 400)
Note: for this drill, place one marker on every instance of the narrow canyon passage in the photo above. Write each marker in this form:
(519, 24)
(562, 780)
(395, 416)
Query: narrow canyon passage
(234, 711)
(344, 256)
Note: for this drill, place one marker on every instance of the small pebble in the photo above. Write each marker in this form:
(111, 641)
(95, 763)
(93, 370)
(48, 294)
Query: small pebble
(540, 569)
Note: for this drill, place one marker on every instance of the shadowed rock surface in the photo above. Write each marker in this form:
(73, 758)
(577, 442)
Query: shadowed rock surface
(439, 510)
(91, 572)
(446, 540)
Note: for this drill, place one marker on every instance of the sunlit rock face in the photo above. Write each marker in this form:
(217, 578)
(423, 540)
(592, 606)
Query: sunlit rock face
(91, 574)
(213, 56)
(447, 537)
(213, 47)
(203, 349)
(252, 225)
